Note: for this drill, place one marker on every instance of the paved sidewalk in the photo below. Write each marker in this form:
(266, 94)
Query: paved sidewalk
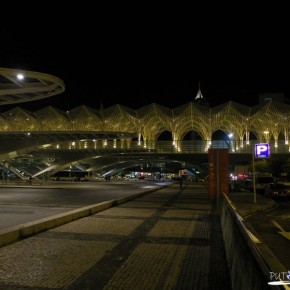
(168, 239)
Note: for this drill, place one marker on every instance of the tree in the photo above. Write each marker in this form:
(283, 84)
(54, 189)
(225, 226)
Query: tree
(261, 165)
(276, 164)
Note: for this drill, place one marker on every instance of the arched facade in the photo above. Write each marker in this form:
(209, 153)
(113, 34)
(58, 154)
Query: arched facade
(269, 121)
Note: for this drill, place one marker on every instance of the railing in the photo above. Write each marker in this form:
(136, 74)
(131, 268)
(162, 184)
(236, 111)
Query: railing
(162, 147)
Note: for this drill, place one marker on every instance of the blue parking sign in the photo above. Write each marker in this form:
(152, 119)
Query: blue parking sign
(262, 150)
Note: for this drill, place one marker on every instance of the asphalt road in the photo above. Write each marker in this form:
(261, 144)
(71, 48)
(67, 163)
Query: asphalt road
(19, 205)
(268, 224)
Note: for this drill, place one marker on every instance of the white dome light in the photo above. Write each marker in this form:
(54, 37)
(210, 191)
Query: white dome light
(20, 76)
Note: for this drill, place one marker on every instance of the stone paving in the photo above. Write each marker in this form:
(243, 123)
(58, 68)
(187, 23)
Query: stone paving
(168, 239)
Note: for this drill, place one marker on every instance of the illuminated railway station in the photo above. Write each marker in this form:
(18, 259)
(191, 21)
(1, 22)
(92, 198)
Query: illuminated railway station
(92, 139)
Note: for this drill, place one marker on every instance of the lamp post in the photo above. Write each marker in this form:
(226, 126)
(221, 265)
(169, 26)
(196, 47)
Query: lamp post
(254, 177)
(230, 135)
(260, 151)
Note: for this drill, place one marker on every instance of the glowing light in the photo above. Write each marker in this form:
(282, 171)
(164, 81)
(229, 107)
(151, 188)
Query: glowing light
(20, 76)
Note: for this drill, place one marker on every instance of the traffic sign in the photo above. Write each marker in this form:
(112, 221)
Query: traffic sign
(262, 150)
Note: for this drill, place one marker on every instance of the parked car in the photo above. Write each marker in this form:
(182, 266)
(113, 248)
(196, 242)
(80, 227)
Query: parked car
(246, 184)
(235, 186)
(262, 181)
(277, 190)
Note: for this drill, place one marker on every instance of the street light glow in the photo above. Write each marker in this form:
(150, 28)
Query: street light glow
(20, 76)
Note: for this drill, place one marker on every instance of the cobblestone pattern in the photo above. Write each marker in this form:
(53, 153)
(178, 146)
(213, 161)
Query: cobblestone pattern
(171, 242)
(53, 263)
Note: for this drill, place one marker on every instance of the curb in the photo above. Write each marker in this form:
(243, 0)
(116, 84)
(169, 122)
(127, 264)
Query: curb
(13, 234)
(250, 212)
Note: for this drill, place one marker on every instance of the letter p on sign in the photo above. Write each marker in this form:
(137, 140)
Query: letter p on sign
(262, 150)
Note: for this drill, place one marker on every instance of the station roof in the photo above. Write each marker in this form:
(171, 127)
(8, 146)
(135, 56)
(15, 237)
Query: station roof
(18, 86)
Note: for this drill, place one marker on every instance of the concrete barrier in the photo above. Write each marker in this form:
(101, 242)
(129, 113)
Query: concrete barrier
(13, 234)
(249, 260)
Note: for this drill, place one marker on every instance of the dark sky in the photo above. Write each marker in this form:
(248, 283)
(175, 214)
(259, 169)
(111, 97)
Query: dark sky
(135, 63)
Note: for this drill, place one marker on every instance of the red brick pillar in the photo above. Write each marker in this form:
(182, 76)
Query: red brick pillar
(218, 172)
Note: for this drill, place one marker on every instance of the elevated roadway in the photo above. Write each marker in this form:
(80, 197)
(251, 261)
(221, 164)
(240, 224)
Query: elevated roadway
(39, 154)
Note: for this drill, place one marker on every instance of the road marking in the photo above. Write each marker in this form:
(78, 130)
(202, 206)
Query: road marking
(285, 216)
(282, 231)
(285, 235)
(275, 223)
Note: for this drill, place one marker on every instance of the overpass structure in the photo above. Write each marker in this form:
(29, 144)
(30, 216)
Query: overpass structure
(49, 140)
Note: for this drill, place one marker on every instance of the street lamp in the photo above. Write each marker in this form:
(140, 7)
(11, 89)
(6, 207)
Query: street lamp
(254, 177)
(260, 151)
(20, 76)
(230, 135)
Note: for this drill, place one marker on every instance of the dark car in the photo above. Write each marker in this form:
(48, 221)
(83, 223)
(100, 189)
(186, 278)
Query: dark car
(246, 184)
(276, 190)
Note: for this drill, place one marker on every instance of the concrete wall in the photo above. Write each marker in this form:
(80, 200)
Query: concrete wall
(247, 265)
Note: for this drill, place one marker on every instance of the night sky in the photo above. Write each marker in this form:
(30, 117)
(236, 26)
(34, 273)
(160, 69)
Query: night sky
(121, 62)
